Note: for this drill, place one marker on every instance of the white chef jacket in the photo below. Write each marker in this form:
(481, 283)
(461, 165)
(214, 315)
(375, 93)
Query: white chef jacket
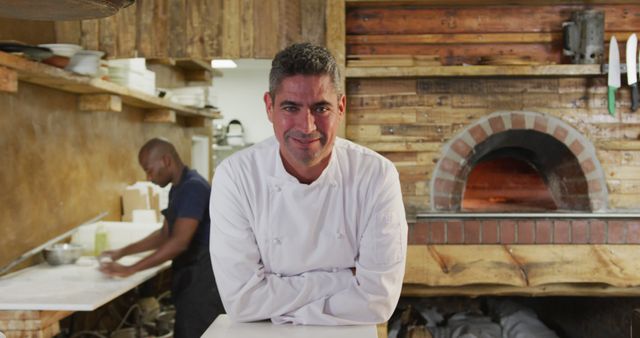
(283, 250)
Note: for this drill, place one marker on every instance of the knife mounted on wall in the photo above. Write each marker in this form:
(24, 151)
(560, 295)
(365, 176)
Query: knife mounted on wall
(613, 79)
(632, 70)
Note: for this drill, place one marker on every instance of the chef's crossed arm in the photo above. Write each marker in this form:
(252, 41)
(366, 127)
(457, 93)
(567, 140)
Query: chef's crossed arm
(337, 297)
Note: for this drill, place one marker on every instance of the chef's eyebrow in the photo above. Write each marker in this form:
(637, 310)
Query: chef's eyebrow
(289, 103)
(297, 104)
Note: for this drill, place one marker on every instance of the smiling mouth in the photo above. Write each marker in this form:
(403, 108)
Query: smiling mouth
(305, 141)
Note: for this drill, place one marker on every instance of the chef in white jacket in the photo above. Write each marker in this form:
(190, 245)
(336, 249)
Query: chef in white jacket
(307, 228)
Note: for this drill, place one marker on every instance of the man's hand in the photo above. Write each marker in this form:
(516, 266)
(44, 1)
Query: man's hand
(113, 254)
(116, 270)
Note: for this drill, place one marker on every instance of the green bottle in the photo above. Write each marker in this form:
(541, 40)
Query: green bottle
(101, 240)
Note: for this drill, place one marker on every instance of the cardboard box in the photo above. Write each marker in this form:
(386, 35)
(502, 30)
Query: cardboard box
(133, 199)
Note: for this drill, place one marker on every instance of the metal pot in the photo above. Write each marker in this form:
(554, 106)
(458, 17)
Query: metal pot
(62, 253)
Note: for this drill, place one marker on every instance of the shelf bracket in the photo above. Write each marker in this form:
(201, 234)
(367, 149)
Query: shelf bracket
(160, 116)
(197, 121)
(8, 80)
(100, 102)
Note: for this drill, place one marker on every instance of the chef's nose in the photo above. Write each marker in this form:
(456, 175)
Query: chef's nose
(307, 122)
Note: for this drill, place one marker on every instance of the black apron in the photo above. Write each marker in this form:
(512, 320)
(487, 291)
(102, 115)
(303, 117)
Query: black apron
(194, 292)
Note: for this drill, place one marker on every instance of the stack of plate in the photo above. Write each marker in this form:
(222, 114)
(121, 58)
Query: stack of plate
(195, 96)
(133, 73)
(62, 49)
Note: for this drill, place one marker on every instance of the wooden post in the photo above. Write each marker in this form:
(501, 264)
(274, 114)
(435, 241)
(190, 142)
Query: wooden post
(8, 80)
(160, 116)
(335, 17)
(100, 102)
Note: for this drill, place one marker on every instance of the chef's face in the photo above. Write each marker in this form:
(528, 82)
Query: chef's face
(305, 114)
(156, 167)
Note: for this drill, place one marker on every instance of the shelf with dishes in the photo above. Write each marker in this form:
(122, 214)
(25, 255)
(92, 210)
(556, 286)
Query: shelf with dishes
(96, 93)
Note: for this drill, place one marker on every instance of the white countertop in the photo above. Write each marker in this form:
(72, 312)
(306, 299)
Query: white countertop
(224, 327)
(75, 287)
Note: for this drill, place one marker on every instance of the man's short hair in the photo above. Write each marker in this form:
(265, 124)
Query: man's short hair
(303, 59)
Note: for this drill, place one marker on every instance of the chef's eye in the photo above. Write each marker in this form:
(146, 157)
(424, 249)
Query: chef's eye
(321, 110)
(290, 109)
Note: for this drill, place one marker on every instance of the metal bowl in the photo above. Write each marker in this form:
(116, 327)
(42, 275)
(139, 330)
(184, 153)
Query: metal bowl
(62, 253)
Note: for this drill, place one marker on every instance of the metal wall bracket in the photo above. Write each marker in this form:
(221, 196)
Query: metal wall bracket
(604, 69)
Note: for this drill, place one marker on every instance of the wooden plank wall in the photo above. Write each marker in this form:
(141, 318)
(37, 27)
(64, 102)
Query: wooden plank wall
(468, 34)
(200, 29)
(408, 120)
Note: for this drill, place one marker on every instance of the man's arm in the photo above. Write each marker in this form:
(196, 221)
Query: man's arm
(152, 241)
(169, 247)
(379, 266)
(248, 292)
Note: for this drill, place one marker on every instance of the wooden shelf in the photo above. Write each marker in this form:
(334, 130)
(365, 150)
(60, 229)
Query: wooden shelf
(474, 71)
(52, 77)
(187, 64)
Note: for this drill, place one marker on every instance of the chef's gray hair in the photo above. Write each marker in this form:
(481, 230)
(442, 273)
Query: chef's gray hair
(303, 59)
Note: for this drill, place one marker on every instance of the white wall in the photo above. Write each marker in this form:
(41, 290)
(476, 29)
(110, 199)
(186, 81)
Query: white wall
(239, 96)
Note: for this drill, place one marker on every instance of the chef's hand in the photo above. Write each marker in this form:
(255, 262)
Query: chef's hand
(113, 254)
(116, 270)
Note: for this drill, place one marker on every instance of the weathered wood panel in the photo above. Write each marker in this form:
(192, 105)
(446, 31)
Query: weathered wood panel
(474, 34)
(198, 29)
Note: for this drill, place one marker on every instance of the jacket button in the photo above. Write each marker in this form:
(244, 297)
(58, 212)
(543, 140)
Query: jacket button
(276, 241)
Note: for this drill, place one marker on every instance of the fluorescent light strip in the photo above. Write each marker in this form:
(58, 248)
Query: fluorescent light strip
(223, 64)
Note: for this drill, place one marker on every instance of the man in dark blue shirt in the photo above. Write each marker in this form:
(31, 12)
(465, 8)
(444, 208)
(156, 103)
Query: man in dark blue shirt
(184, 238)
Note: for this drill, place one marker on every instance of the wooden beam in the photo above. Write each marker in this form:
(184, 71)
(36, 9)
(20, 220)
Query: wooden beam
(100, 102)
(454, 38)
(549, 290)
(8, 80)
(471, 71)
(160, 116)
(618, 145)
(477, 38)
(522, 265)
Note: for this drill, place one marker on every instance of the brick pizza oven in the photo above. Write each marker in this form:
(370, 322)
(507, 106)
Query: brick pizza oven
(516, 179)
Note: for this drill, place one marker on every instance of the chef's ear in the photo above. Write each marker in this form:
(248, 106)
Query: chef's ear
(342, 105)
(268, 103)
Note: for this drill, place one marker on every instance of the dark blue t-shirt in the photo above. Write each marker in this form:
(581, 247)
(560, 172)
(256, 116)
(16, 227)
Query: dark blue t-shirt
(190, 199)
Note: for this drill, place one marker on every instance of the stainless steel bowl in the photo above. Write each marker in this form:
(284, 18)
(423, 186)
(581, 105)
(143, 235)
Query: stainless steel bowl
(64, 253)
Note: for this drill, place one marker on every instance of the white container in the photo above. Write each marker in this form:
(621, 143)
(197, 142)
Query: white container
(85, 62)
(138, 64)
